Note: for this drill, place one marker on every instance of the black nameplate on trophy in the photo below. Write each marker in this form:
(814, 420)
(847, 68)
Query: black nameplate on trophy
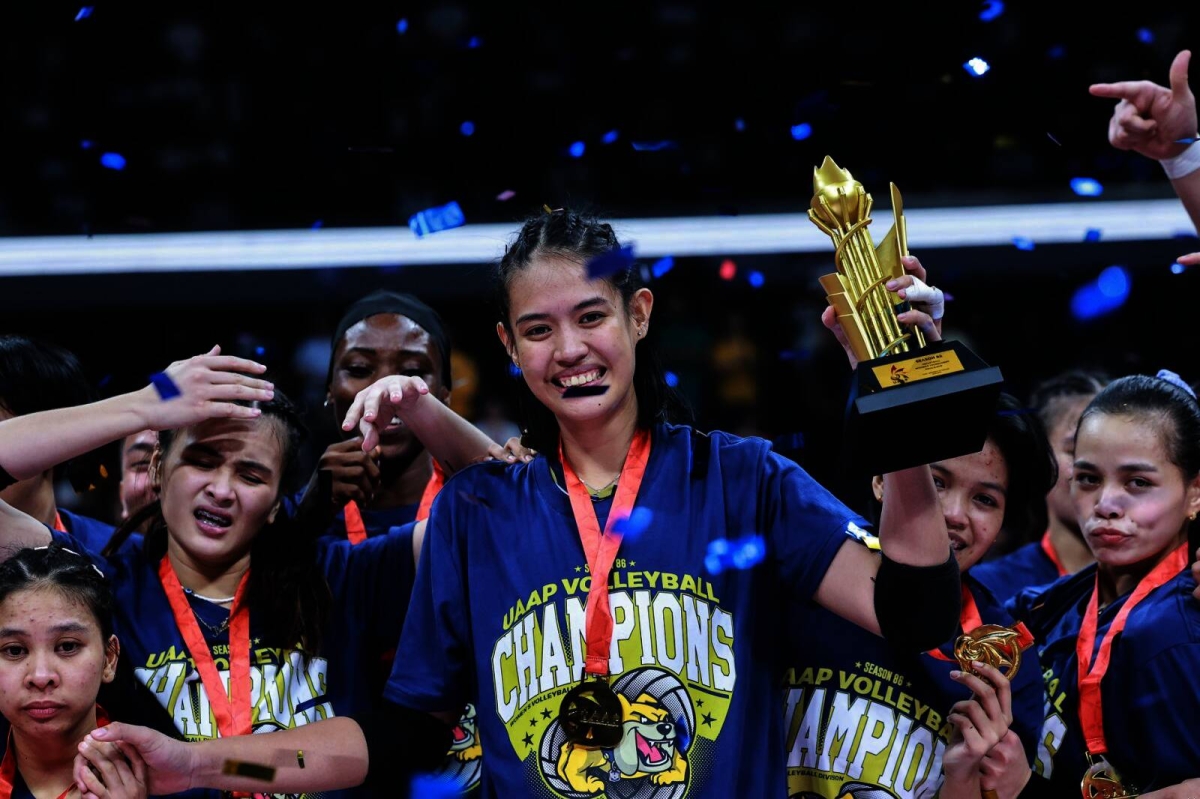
(918, 407)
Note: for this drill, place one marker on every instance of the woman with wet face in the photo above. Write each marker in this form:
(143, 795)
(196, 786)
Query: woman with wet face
(510, 606)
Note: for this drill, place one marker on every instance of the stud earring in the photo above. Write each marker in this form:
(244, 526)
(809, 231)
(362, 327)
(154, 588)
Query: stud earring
(1192, 517)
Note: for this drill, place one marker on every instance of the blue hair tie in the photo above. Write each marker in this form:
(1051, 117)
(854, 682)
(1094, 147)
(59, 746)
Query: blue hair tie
(1175, 380)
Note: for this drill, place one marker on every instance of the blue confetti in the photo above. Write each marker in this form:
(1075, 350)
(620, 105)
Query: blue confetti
(113, 161)
(636, 523)
(750, 552)
(1145, 36)
(662, 266)
(402, 26)
(739, 124)
(260, 350)
(802, 131)
(435, 786)
(317, 224)
(467, 128)
(756, 279)
(84, 13)
(1086, 187)
(610, 262)
(977, 67)
(1056, 52)
(671, 379)
(1114, 282)
(165, 386)
(1023, 243)
(87, 144)
(1192, 140)
(514, 371)
(742, 553)
(991, 10)
(1092, 234)
(432, 220)
(653, 146)
(1177, 269)
(474, 42)
(104, 381)
(1101, 296)
(611, 137)
(577, 149)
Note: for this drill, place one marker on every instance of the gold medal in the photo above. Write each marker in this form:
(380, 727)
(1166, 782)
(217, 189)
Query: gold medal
(998, 647)
(1101, 781)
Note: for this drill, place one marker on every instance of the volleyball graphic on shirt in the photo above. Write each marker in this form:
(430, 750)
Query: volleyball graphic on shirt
(651, 760)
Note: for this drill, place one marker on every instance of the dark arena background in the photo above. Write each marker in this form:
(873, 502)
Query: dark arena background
(183, 175)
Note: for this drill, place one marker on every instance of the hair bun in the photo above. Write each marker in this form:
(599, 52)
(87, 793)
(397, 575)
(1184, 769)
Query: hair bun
(1176, 380)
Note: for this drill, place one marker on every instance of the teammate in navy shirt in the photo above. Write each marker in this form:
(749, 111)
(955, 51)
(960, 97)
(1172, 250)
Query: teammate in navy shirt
(188, 603)
(1060, 548)
(369, 493)
(498, 614)
(842, 674)
(1120, 641)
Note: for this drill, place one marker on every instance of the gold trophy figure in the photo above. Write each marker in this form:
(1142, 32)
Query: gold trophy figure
(998, 647)
(841, 208)
(902, 381)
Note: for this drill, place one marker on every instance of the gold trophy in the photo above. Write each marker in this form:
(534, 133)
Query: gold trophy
(902, 382)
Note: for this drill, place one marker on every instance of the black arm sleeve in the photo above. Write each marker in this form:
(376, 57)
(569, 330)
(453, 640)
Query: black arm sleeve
(401, 743)
(918, 607)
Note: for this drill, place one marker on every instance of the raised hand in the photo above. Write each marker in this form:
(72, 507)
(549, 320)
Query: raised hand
(208, 387)
(928, 305)
(1151, 119)
(379, 406)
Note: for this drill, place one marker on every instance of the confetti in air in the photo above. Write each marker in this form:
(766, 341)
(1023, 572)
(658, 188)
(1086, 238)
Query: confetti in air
(1086, 187)
(432, 220)
(114, 161)
(976, 67)
(991, 10)
(742, 553)
(610, 262)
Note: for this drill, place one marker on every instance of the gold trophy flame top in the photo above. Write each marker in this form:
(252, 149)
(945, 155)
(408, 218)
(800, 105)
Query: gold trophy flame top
(865, 308)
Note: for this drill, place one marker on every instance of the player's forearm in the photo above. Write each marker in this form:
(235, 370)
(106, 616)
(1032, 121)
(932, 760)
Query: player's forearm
(334, 757)
(912, 528)
(33, 443)
(450, 438)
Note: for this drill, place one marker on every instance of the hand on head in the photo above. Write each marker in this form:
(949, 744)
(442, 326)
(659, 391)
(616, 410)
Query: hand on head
(209, 386)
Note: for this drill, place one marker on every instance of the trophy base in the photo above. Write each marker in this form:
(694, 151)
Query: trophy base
(919, 407)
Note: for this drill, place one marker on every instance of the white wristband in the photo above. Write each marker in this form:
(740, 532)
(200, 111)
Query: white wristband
(1183, 164)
